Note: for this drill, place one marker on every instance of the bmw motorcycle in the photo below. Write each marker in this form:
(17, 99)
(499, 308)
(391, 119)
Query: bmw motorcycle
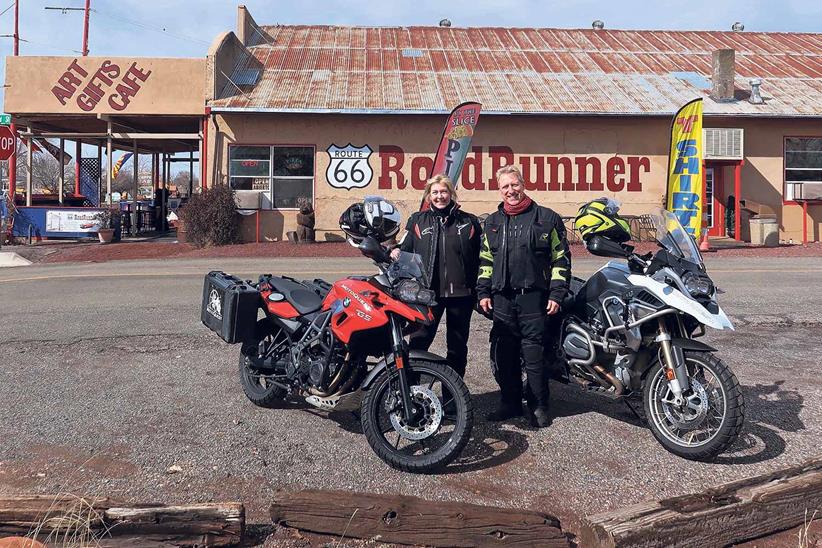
(631, 330)
(325, 343)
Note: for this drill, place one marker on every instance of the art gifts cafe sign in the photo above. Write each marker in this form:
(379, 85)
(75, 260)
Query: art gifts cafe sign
(113, 83)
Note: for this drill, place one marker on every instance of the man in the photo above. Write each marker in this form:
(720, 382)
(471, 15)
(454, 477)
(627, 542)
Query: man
(525, 268)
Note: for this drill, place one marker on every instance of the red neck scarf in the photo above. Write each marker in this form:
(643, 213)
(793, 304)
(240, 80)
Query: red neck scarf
(524, 204)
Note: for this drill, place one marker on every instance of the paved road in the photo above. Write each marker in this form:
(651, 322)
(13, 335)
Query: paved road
(108, 379)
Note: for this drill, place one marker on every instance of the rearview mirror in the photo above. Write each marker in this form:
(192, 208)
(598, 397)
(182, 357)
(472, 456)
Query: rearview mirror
(372, 249)
(597, 245)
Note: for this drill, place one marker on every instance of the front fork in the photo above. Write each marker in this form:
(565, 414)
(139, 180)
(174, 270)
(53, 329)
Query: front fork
(674, 364)
(400, 351)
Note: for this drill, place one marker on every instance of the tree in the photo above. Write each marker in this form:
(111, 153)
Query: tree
(45, 172)
(181, 182)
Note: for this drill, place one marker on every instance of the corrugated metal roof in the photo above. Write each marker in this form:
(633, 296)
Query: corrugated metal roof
(528, 71)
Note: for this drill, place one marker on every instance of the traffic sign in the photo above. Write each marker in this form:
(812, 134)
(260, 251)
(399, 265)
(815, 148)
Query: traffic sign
(5, 119)
(7, 143)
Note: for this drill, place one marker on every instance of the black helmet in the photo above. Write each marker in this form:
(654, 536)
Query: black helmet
(352, 222)
(375, 217)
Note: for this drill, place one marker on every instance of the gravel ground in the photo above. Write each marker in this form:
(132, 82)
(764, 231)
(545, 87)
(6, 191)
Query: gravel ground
(109, 401)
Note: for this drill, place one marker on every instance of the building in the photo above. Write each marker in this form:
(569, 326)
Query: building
(336, 113)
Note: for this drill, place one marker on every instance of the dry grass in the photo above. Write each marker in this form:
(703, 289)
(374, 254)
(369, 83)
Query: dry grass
(77, 525)
(804, 537)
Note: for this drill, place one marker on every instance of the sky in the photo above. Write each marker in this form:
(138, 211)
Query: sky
(185, 28)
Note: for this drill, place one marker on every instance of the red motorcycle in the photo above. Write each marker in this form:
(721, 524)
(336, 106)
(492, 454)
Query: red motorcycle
(316, 342)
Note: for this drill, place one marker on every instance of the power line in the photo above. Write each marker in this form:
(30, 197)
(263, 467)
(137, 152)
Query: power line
(7, 9)
(147, 26)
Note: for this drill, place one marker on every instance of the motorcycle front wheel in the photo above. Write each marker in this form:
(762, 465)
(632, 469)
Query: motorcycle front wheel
(442, 425)
(711, 418)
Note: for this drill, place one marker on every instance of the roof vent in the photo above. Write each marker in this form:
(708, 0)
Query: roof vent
(445, 22)
(737, 27)
(756, 98)
(598, 25)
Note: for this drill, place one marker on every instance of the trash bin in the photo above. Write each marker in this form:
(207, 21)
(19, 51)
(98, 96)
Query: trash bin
(764, 231)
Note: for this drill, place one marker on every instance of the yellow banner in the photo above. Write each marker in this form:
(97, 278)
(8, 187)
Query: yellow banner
(685, 177)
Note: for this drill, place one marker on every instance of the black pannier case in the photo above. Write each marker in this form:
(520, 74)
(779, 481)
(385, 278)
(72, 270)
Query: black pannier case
(229, 306)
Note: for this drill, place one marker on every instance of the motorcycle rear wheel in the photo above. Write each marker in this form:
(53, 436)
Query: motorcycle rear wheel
(257, 388)
(707, 428)
(432, 442)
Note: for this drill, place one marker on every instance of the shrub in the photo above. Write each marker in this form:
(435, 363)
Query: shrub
(108, 218)
(210, 217)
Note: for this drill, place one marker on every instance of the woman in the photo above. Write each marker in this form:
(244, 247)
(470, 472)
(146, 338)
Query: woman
(448, 240)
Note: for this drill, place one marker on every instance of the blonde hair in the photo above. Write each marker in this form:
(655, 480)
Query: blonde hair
(439, 180)
(511, 170)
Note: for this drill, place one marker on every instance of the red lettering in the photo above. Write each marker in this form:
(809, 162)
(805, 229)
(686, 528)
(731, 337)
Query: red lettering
(86, 102)
(387, 154)
(584, 183)
(421, 169)
(134, 72)
(635, 163)
(472, 170)
(615, 166)
(498, 154)
(75, 66)
(538, 182)
(108, 71)
(553, 183)
(62, 93)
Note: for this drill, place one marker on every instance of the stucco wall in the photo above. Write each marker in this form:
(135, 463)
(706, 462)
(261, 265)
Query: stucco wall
(629, 154)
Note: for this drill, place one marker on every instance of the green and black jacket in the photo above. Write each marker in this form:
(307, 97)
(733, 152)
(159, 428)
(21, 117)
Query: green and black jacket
(525, 251)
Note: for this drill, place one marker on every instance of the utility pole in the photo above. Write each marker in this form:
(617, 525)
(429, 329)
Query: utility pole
(85, 29)
(13, 159)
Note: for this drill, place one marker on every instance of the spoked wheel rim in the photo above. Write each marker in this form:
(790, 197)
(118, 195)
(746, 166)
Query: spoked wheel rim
(700, 419)
(438, 418)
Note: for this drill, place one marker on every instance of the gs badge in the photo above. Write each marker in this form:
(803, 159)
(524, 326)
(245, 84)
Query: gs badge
(349, 166)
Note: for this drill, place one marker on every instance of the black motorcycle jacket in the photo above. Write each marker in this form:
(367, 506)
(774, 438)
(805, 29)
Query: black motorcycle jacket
(525, 251)
(449, 244)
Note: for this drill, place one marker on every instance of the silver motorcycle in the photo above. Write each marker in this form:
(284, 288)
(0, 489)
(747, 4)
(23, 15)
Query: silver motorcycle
(631, 330)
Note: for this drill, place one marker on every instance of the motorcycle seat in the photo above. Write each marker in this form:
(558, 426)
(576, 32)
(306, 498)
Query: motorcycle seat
(299, 296)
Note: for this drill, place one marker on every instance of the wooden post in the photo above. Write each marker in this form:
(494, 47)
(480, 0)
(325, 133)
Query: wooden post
(804, 222)
(737, 198)
(109, 164)
(719, 516)
(100, 200)
(61, 178)
(134, 215)
(114, 523)
(29, 184)
(190, 172)
(78, 155)
(411, 520)
(203, 151)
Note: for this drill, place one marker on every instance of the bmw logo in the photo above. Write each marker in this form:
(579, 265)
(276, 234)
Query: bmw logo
(346, 302)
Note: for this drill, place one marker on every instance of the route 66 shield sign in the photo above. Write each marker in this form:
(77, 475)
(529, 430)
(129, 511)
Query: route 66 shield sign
(349, 166)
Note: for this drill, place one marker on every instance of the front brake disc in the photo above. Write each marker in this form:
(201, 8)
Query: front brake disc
(430, 407)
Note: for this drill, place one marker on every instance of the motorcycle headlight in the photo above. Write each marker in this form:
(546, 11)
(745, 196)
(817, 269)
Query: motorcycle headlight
(696, 285)
(411, 291)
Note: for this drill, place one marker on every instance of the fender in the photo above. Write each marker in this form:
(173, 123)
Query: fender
(690, 344)
(412, 354)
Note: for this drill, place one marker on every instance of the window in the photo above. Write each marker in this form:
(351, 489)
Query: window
(282, 174)
(803, 168)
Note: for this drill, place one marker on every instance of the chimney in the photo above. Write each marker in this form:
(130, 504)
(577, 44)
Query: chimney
(722, 79)
(756, 97)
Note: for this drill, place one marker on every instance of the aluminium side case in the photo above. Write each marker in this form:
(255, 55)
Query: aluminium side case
(229, 306)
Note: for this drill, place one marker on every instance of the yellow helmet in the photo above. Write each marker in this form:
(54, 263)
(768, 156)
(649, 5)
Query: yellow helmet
(600, 217)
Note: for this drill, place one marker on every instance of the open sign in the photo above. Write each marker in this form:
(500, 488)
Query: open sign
(7, 142)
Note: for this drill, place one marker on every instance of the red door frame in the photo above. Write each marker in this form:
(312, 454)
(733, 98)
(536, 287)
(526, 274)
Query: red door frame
(718, 230)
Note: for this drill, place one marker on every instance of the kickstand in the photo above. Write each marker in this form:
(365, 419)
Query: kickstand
(631, 407)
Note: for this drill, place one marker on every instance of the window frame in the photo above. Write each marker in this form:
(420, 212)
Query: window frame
(785, 199)
(271, 176)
